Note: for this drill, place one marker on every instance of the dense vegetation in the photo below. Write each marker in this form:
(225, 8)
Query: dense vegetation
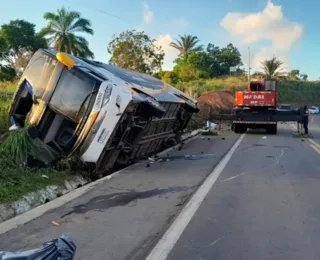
(6, 91)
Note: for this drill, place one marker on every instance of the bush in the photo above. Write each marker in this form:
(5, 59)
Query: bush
(7, 73)
(6, 91)
(197, 121)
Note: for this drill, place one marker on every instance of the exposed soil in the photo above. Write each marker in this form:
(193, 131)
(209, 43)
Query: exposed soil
(215, 102)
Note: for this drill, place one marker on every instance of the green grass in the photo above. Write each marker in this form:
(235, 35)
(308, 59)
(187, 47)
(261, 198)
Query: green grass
(17, 180)
(7, 88)
(300, 92)
(15, 148)
(5, 102)
(6, 91)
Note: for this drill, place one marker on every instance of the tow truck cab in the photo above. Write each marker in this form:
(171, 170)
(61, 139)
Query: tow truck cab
(259, 94)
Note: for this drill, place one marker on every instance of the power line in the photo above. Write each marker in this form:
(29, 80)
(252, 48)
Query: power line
(108, 14)
(99, 10)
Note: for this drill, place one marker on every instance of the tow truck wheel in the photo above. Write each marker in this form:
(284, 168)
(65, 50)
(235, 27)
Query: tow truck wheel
(240, 128)
(272, 129)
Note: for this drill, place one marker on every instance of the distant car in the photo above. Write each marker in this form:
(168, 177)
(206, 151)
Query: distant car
(284, 107)
(313, 110)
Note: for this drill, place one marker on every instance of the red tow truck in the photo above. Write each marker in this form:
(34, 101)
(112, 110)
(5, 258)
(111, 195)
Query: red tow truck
(257, 108)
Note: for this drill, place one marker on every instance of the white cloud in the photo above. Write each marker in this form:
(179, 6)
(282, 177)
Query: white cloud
(147, 14)
(270, 25)
(182, 21)
(170, 53)
(268, 53)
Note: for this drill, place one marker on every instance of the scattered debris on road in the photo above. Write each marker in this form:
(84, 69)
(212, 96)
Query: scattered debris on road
(210, 132)
(60, 248)
(300, 135)
(55, 223)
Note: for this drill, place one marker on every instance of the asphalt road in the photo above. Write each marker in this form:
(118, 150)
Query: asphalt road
(123, 218)
(314, 127)
(264, 205)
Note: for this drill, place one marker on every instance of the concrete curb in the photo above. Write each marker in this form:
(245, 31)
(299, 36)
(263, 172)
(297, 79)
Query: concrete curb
(71, 195)
(38, 198)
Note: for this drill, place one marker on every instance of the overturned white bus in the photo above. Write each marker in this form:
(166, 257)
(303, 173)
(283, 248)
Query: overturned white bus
(100, 113)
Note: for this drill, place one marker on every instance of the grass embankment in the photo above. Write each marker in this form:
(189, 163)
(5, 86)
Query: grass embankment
(6, 91)
(17, 180)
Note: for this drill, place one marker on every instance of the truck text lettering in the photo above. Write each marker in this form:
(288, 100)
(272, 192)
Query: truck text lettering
(253, 96)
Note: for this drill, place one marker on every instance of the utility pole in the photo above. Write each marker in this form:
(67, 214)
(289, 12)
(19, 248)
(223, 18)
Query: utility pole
(249, 76)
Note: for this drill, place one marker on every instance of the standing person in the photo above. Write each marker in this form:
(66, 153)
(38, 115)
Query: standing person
(305, 120)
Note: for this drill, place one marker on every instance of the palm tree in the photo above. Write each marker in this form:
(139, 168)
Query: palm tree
(272, 68)
(61, 32)
(186, 44)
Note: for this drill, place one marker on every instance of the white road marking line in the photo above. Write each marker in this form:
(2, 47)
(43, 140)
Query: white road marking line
(233, 177)
(171, 236)
(279, 157)
(215, 242)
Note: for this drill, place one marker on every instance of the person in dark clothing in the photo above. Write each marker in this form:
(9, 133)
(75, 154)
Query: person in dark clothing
(305, 120)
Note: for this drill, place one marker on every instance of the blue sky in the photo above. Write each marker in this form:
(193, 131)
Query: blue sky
(285, 28)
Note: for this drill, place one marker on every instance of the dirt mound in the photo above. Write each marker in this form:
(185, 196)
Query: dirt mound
(216, 101)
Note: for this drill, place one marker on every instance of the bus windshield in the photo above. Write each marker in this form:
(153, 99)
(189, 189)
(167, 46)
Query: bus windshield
(39, 71)
(71, 93)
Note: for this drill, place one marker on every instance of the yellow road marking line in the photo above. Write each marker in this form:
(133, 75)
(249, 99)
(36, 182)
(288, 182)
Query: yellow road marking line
(317, 149)
(314, 143)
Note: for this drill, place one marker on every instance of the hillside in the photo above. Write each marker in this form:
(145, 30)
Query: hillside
(294, 92)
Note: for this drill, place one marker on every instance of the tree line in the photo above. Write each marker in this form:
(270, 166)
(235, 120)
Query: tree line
(137, 51)
(19, 40)
(129, 49)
